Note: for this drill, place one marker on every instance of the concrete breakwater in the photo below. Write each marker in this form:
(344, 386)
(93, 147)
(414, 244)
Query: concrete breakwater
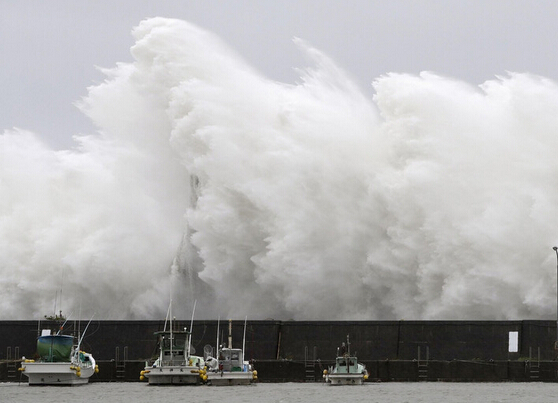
(299, 350)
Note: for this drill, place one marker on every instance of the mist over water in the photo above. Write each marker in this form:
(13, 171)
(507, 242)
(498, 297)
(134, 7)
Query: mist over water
(431, 199)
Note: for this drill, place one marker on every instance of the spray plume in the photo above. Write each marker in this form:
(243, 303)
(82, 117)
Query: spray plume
(434, 200)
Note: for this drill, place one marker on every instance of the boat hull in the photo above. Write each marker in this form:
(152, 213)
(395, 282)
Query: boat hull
(173, 375)
(345, 379)
(226, 378)
(56, 373)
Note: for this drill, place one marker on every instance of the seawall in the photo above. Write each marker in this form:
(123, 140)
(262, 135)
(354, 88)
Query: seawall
(300, 350)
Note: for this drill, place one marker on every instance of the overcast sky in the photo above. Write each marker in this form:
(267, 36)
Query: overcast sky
(49, 50)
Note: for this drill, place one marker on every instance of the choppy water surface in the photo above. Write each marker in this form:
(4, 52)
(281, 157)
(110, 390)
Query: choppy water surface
(286, 392)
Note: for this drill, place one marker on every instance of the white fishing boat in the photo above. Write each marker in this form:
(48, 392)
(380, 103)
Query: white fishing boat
(347, 370)
(175, 365)
(60, 360)
(229, 367)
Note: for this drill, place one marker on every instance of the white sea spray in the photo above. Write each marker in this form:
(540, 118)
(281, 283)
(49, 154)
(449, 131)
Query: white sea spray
(428, 198)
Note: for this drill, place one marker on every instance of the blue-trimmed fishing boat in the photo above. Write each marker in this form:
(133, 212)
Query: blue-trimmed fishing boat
(59, 360)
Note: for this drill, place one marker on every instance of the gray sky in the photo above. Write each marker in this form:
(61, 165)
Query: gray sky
(49, 49)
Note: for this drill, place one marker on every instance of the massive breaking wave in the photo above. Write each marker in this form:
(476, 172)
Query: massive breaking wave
(431, 199)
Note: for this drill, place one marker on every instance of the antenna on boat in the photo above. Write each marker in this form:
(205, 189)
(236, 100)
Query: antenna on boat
(83, 335)
(191, 328)
(169, 310)
(217, 345)
(55, 299)
(171, 335)
(63, 324)
(244, 339)
(79, 319)
(167, 317)
(78, 325)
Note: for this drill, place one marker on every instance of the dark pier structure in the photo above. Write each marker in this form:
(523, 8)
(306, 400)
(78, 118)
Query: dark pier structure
(297, 351)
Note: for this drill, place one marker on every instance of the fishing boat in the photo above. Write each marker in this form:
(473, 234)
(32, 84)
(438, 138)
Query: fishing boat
(229, 367)
(59, 360)
(175, 365)
(347, 370)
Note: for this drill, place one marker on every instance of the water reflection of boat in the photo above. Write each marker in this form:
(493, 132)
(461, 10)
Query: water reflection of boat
(59, 360)
(347, 370)
(175, 365)
(229, 367)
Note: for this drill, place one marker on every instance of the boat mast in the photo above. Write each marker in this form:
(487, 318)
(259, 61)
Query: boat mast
(191, 328)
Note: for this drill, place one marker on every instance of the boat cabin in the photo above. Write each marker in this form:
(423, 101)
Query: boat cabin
(230, 359)
(172, 347)
(55, 348)
(346, 365)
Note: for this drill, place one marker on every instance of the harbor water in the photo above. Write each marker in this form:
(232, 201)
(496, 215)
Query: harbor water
(392, 392)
